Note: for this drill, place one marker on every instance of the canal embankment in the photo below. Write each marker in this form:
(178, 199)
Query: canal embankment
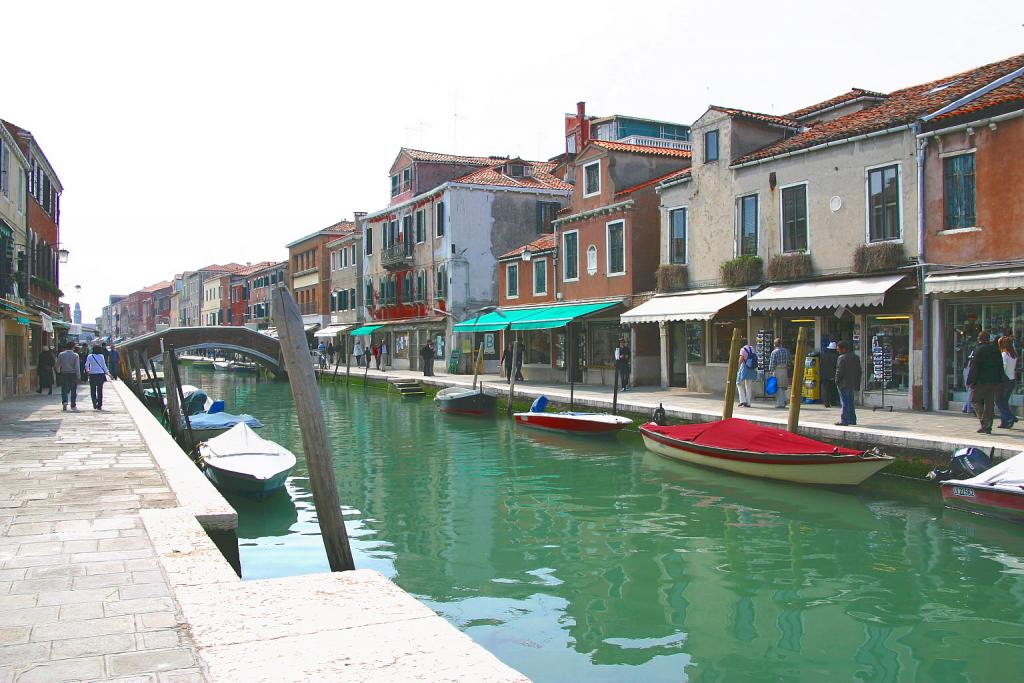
(913, 437)
(107, 569)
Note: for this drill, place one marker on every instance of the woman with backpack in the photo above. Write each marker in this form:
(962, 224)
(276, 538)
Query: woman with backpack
(746, 375)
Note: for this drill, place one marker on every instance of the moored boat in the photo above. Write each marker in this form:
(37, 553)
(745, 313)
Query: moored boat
(245, 367)
(463, 401)
(996, 492)
(209, 425)
(223, 365)
(239, 460)
(739, 446)
(203, 363)
(573, 423)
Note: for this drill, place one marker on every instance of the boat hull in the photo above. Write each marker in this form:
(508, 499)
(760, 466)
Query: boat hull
(227, 480)
(991, 501)
(567, 424)
(207, 364)
(831, 471)
(466, 403)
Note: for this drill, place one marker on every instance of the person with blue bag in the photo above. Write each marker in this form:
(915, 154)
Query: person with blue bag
(746, 375)
(778, 367)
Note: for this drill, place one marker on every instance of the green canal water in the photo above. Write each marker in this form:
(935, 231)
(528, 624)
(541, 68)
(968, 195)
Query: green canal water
(594, 560)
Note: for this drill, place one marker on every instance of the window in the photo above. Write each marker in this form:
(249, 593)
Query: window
(334, 260)
(369, 292)
(512, 281)
(353, 254)
(5, 169)
(407, 233)
(421, 285)
(677, 236)
(592, 260)
(592, 179)
(368, 240)
(396, 187)
(794, 218)
(344, 258)
(883, 204)
(421, 226)
(615, 251)
(746, 219)
(570, 256)
(407, 287)
(441, 283)
(546, 212)
(958, 187)
(540, 276)
(439, 220)
(711, 145)
(406, 179)
(352, 298)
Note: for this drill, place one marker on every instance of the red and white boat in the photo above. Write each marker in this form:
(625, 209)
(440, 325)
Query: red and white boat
(574, 423)
(996, 492)
(739, 446)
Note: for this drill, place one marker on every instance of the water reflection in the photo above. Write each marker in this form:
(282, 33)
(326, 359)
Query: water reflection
(581, 560)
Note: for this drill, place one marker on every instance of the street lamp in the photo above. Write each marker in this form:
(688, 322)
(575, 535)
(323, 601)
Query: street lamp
(62, 255)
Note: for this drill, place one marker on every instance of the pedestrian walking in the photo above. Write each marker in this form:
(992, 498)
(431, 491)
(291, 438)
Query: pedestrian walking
(984, 380)
(518, 362)
(1009, 358)
(376, 354)
(44, 368)
(506, 361)
(622, 360)
(330, 352)
(426, 353)
(778, 367)
(96, 369)
(357, 353)
(83, 353)
(114, 365)
(383, 355)
(829, 391)
(69, 372)
(433, 355)
(848, 377)
(746, 375)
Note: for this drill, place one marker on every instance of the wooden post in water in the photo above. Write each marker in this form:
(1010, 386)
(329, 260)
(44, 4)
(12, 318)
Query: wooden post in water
(310, 411)
(796, 390)
(156, 389)
(730, 374)
(173, 357)
(174, 421)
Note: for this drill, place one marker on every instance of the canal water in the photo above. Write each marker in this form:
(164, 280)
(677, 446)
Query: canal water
(595, 560)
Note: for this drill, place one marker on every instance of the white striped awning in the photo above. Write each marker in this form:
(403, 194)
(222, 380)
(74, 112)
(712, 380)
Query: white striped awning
(990, 281)
(848, 292)
(332, 330)
(689, 306)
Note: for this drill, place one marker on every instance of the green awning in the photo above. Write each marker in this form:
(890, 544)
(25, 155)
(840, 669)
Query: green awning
(61, 323)
(13, 309)
(495, 320)
(23, 321)
(550, 317)
(365, 329)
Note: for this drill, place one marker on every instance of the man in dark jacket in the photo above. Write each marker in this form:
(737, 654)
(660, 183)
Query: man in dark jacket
(848, 376)
(984, 378)
(829, 359)
(426, 355)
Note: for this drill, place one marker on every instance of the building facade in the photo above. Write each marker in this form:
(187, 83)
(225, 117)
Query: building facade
(346, 291)
(15, 332)
(310, 279)
(260, 283)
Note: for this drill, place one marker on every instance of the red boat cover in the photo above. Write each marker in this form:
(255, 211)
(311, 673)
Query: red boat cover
(740, 435)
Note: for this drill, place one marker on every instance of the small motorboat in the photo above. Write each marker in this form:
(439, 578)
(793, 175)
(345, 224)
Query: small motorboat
(570, 422)
(464, 401)
(245, 367)
(996, 492)
(739, 446)
(203, 363)
(205, 426)
(223, 365)
(196, 400)
(239, 460)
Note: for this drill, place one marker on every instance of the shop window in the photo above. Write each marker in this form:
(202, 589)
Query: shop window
(537, 347)
(891, 331)
(963, 323)
(721, 337)
(604, 337)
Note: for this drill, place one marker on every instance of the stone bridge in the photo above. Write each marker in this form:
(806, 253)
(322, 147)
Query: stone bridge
(255, 345)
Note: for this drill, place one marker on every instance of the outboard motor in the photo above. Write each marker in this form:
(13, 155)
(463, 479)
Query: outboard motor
(539, 405)
(964, 464)
(659, 415)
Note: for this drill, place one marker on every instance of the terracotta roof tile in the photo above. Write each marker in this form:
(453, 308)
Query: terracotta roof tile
(249, 270)
(651, 182)
(641, 149)
(1012, 91)
(439, 158)
(545, 242)
(783, 121)
(849, 96)
(540, 179)
(902, 107)
(157, 287)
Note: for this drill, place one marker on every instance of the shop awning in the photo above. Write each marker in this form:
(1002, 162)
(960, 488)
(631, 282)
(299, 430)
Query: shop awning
(364, 330)
(11, 308)
(852, 291)
(310, 326)
(550, 317)
(495, 320)
(690, 306)
(990, 281)
(331, 330)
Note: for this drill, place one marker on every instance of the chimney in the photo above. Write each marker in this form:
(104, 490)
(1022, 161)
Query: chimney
(583, 123)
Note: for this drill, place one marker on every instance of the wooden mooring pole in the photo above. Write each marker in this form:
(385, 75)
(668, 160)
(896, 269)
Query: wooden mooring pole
(730, 374)
(797, 388)
(310, 411)
(174, 422)
(176, 378)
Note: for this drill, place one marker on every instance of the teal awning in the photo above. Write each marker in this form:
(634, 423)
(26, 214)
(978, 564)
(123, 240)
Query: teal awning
(495, 320)
(559, 315)
(13, 309)
(22, 321)
(364, 330)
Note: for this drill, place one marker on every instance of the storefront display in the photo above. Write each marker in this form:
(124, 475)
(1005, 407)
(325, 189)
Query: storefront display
(537, 344)
(963, 322)
(721, 337)
(604, 337)
(886, 356)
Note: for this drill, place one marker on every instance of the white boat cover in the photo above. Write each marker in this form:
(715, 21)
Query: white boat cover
(1009, 474)
(691, 306)
(241, 450)
(852, 291)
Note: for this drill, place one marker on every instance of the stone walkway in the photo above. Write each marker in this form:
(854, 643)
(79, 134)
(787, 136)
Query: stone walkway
(938, 432)
(82, 593)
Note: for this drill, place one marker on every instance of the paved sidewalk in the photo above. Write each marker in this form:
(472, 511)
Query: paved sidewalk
(936, 432)
(82, 594)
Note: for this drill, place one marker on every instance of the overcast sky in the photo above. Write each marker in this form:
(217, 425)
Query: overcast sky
(189, 133)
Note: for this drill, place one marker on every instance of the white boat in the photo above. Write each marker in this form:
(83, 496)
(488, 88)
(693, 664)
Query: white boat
(996, 492)
(573, 423)
(222, 365)
(239, 460)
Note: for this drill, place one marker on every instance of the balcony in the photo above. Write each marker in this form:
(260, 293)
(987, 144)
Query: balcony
(656, 142)
(397, 256)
